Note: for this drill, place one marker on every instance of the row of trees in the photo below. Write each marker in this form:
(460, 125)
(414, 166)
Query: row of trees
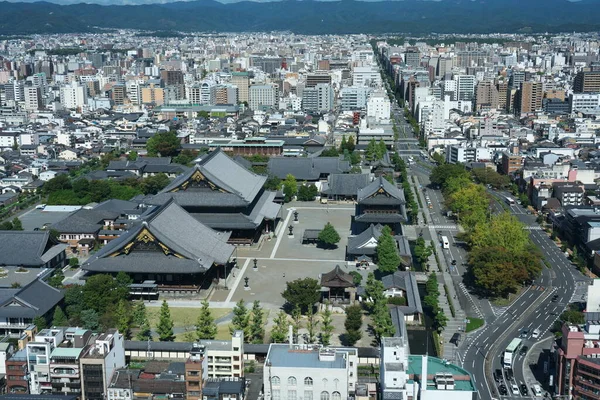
(14, 225)
(411, 204)
(388, 258)
(380, 315)
(432, 304)
(62, 190)
(502, 257)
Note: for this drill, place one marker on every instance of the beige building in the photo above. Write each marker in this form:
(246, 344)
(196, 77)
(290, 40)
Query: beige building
(242, 81)
(153, 94)
(486, 96)
(529, 98)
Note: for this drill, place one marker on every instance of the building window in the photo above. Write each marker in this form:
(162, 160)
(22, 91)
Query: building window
(291, 381)
(308, 395)
(276, 395)
(336, 382)
(308, 381)
(325, 381)
(275, 381)
(324, 395)
(291, 395)
(336, 396)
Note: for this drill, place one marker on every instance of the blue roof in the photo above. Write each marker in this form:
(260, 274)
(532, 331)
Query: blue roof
(281, 355)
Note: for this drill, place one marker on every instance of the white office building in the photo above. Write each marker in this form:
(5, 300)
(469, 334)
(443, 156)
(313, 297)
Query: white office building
(73, 96)
(354, 98)
(465, 87)
(309, 372)
(584, 101)
(366, 76)
(263, 96)
(318, 98)
(379, 107)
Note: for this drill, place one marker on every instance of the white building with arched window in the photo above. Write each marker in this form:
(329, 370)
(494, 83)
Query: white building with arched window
(300, 372)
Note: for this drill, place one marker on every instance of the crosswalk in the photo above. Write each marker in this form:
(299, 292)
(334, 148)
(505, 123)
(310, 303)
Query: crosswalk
(463, 288)
(445, 227)
(533, 228)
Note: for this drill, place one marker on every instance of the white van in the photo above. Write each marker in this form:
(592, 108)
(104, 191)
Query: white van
(537, 390)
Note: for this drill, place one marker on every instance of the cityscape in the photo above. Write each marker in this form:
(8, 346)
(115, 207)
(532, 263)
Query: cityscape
(279, 215)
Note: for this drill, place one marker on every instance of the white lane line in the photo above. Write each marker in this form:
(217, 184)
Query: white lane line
(238, 278)
(280, 234)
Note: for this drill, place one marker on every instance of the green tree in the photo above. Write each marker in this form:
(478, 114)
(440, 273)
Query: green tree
(6, 226)
(40, 322)
(307, 192)
(57, 278)
(203, 114)
(165, 144)
(241, 319)
(73, 262)
(350, 145)
(257, 325)
(302, 293)
(344, 144)
(205, 324)
(164, 328)
(353, 325)
(422, 252)
(381, 149)
(311, 324)
(290, 188)
(123, 317)
(280, 327)
(132, 156)
(329, 236)
(503, 230)
(139, 315)
(102, 293)
(374, 290)
(90, 319)
(326, 326)
(296, 322)
(388, 258)
(442, 172)
(329, 152)
(17, 225)
(494, 271)
(356, 278)
(371, 151)
(154, 184)
(273, 183)
(59, 318)
(59, 182)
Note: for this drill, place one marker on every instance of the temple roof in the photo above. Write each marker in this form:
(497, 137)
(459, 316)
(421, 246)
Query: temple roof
(224, 173)
(167, 240)
(366, 241)
(337, 278)
(380, 191)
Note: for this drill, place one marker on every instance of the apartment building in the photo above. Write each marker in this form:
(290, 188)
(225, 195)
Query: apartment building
(309, 372)
(17, 373)
(195, 372)
(99, 360)
(242, 81)
(587, 82)
(225, 358)
(528, 98)
(263, 96)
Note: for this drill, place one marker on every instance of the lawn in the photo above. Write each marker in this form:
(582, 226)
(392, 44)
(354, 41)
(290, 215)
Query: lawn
(474, 323)
(183, 316)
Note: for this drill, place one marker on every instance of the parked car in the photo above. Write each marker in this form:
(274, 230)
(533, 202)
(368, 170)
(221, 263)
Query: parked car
(535, 334)
(536, 390)
(524, 350)
(524, 390)
(498, 375)
(502, 389)
(515, 389)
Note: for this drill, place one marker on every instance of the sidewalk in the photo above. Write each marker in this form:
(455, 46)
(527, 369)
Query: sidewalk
(457, 323)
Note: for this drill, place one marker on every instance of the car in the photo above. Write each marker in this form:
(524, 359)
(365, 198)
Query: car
(535, 334)
(524, 390)
(524, 333)
(515, 389)
(502, 389)
(40, 206)
(536, 390)
(498, 375)
(524, 350)
(554, 298)
(453, 262)
(509, 374)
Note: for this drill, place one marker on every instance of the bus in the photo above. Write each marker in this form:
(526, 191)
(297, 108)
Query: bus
(511, 351)
(510, 200)
(445, 242)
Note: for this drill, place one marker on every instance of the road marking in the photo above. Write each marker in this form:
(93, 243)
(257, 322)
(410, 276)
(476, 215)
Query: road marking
(238, 278)
(280, 234)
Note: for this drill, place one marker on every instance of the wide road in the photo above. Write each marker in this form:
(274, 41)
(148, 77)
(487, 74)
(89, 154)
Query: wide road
(535, 309)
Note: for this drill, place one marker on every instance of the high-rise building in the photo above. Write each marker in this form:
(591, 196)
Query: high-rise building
(195, 372)
(465, 87)
(318, 98)
(313, 80)
(486, 96)
(263, 96)
(242, 81)
(226, 94)
(379, 107)
(528, 99)
(134, 92)
(171, 77)
(354, 98)
(33, 98)
(412, 57)
(587, 82)
(366, 76)
(73, 96)
(118, 94)
(153, 94)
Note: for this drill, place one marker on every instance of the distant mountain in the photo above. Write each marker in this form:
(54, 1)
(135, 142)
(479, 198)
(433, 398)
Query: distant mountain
(308, 17)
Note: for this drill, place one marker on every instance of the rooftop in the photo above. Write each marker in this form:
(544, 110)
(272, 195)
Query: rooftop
(462, 379)
(282, 355)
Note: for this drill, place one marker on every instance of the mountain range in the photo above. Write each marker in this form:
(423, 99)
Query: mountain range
(308, 17)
